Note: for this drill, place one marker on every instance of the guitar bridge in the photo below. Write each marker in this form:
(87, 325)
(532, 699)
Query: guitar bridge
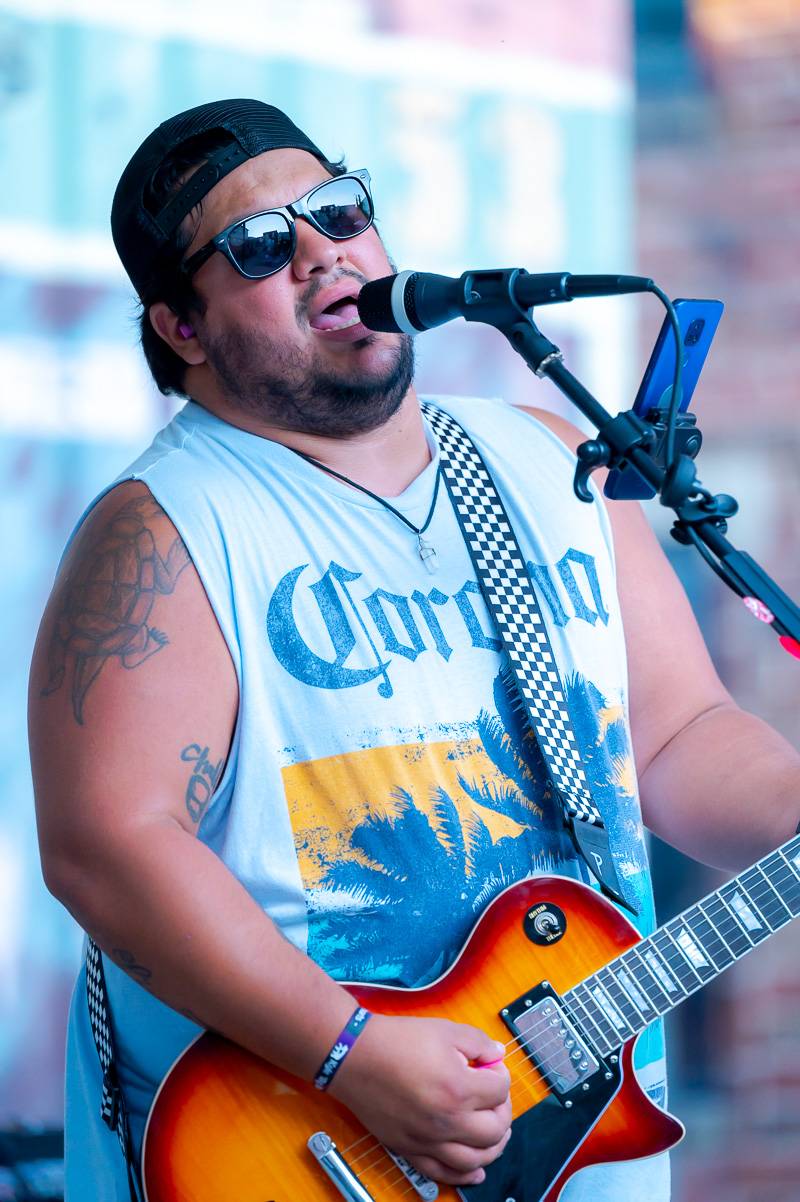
(348, 1184)
(334, 1164)
(552, 1041)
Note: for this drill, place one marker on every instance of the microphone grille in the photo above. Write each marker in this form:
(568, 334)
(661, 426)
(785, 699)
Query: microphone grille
(409, 301)
(374, 304)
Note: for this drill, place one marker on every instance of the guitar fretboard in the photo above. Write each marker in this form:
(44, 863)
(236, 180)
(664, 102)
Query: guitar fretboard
(686, 953)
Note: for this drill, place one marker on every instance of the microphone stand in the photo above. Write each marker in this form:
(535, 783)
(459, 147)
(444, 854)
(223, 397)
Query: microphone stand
(701, 518)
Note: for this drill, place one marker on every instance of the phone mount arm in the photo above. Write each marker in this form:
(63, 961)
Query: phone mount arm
(701, 518)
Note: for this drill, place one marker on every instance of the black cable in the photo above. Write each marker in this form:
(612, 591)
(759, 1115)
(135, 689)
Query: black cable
(723, 572)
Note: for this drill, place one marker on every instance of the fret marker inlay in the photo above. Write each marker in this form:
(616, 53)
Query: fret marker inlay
(637, 997)
(660, 973)
(744, 912)
(691, 950)
(609, 1009)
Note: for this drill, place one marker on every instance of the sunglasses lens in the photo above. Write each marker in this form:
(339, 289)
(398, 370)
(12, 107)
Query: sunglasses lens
(261, 245)
(341, 208)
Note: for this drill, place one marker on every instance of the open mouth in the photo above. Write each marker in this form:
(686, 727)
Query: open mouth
(339, 315)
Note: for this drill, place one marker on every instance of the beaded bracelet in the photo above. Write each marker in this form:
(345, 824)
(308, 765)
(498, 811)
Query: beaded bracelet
(330, 1065)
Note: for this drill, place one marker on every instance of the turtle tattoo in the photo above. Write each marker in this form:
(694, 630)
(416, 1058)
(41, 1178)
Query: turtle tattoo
(109, 597)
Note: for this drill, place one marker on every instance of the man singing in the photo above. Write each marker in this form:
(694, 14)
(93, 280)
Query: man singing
(274, 743)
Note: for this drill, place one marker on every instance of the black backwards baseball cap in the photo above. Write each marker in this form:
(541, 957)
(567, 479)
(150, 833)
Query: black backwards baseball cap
(141, 235)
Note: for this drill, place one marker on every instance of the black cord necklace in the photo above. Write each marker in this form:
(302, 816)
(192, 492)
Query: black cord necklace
(427, 551)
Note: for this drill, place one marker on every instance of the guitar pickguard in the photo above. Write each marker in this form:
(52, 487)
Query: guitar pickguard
(543, 1140)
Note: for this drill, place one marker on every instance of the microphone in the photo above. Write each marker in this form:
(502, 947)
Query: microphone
(418, 300)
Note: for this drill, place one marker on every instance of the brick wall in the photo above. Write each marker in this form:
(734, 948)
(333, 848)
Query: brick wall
(718, 183)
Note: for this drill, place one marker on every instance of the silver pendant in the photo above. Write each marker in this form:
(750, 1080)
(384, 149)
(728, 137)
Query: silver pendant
(427, 553)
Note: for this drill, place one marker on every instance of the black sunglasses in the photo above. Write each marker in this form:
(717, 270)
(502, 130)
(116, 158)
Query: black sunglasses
(263, 243)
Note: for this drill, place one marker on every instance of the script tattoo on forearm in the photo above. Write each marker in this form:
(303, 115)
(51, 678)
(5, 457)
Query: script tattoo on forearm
(203, 781)
(128, 961)
(108, 597)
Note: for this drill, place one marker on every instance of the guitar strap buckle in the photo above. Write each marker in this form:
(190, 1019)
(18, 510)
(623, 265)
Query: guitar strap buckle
(111, 1099)
(591, 843)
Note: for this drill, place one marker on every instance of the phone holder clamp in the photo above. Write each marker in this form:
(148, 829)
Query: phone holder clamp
(706, 509)
(618, 437)
(701, 517)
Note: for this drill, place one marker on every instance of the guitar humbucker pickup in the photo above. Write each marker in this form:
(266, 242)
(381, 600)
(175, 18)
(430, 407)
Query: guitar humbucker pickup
(551, 1040)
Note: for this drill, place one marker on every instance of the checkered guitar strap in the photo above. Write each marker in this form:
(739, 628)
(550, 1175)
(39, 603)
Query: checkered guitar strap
(112, 1103)
(510, 597)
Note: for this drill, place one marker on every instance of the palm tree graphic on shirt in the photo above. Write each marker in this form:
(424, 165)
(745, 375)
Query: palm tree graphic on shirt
(399, 905)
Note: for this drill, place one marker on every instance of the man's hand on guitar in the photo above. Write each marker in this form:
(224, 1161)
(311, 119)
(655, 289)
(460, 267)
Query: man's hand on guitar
(428, 1089)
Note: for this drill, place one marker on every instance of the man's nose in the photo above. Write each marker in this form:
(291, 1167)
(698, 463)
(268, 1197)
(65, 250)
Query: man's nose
(314, 252)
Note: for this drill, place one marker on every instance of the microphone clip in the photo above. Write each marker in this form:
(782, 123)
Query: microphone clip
(489, 297)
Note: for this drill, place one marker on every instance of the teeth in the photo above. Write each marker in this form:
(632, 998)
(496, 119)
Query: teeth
(346, 324)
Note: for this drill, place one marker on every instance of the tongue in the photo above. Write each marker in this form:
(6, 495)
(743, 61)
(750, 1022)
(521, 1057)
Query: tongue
(343, 316)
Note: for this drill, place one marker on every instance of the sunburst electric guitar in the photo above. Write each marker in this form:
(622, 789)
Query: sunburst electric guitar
(553, 970)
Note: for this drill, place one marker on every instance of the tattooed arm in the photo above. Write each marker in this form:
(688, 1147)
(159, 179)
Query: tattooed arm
(133, 700)
(132, 705)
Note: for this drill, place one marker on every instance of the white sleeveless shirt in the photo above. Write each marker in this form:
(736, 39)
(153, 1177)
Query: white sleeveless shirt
(380, 791)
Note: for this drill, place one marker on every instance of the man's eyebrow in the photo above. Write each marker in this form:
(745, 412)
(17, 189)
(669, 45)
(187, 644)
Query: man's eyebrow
(245, 213)
(271, 208)
(204, 241)
(249, 212)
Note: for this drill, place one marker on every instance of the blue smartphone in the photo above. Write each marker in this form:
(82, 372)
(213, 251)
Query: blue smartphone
(698, 321)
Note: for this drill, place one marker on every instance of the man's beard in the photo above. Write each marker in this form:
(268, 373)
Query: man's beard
(288, 390)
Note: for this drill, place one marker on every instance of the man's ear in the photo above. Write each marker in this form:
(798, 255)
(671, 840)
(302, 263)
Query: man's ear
(177, 333)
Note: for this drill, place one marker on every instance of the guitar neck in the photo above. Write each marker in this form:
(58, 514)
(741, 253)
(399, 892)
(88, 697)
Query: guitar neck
(687, 952)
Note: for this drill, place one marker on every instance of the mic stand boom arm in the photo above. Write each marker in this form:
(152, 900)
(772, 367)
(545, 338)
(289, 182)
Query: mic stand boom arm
(701, 519)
